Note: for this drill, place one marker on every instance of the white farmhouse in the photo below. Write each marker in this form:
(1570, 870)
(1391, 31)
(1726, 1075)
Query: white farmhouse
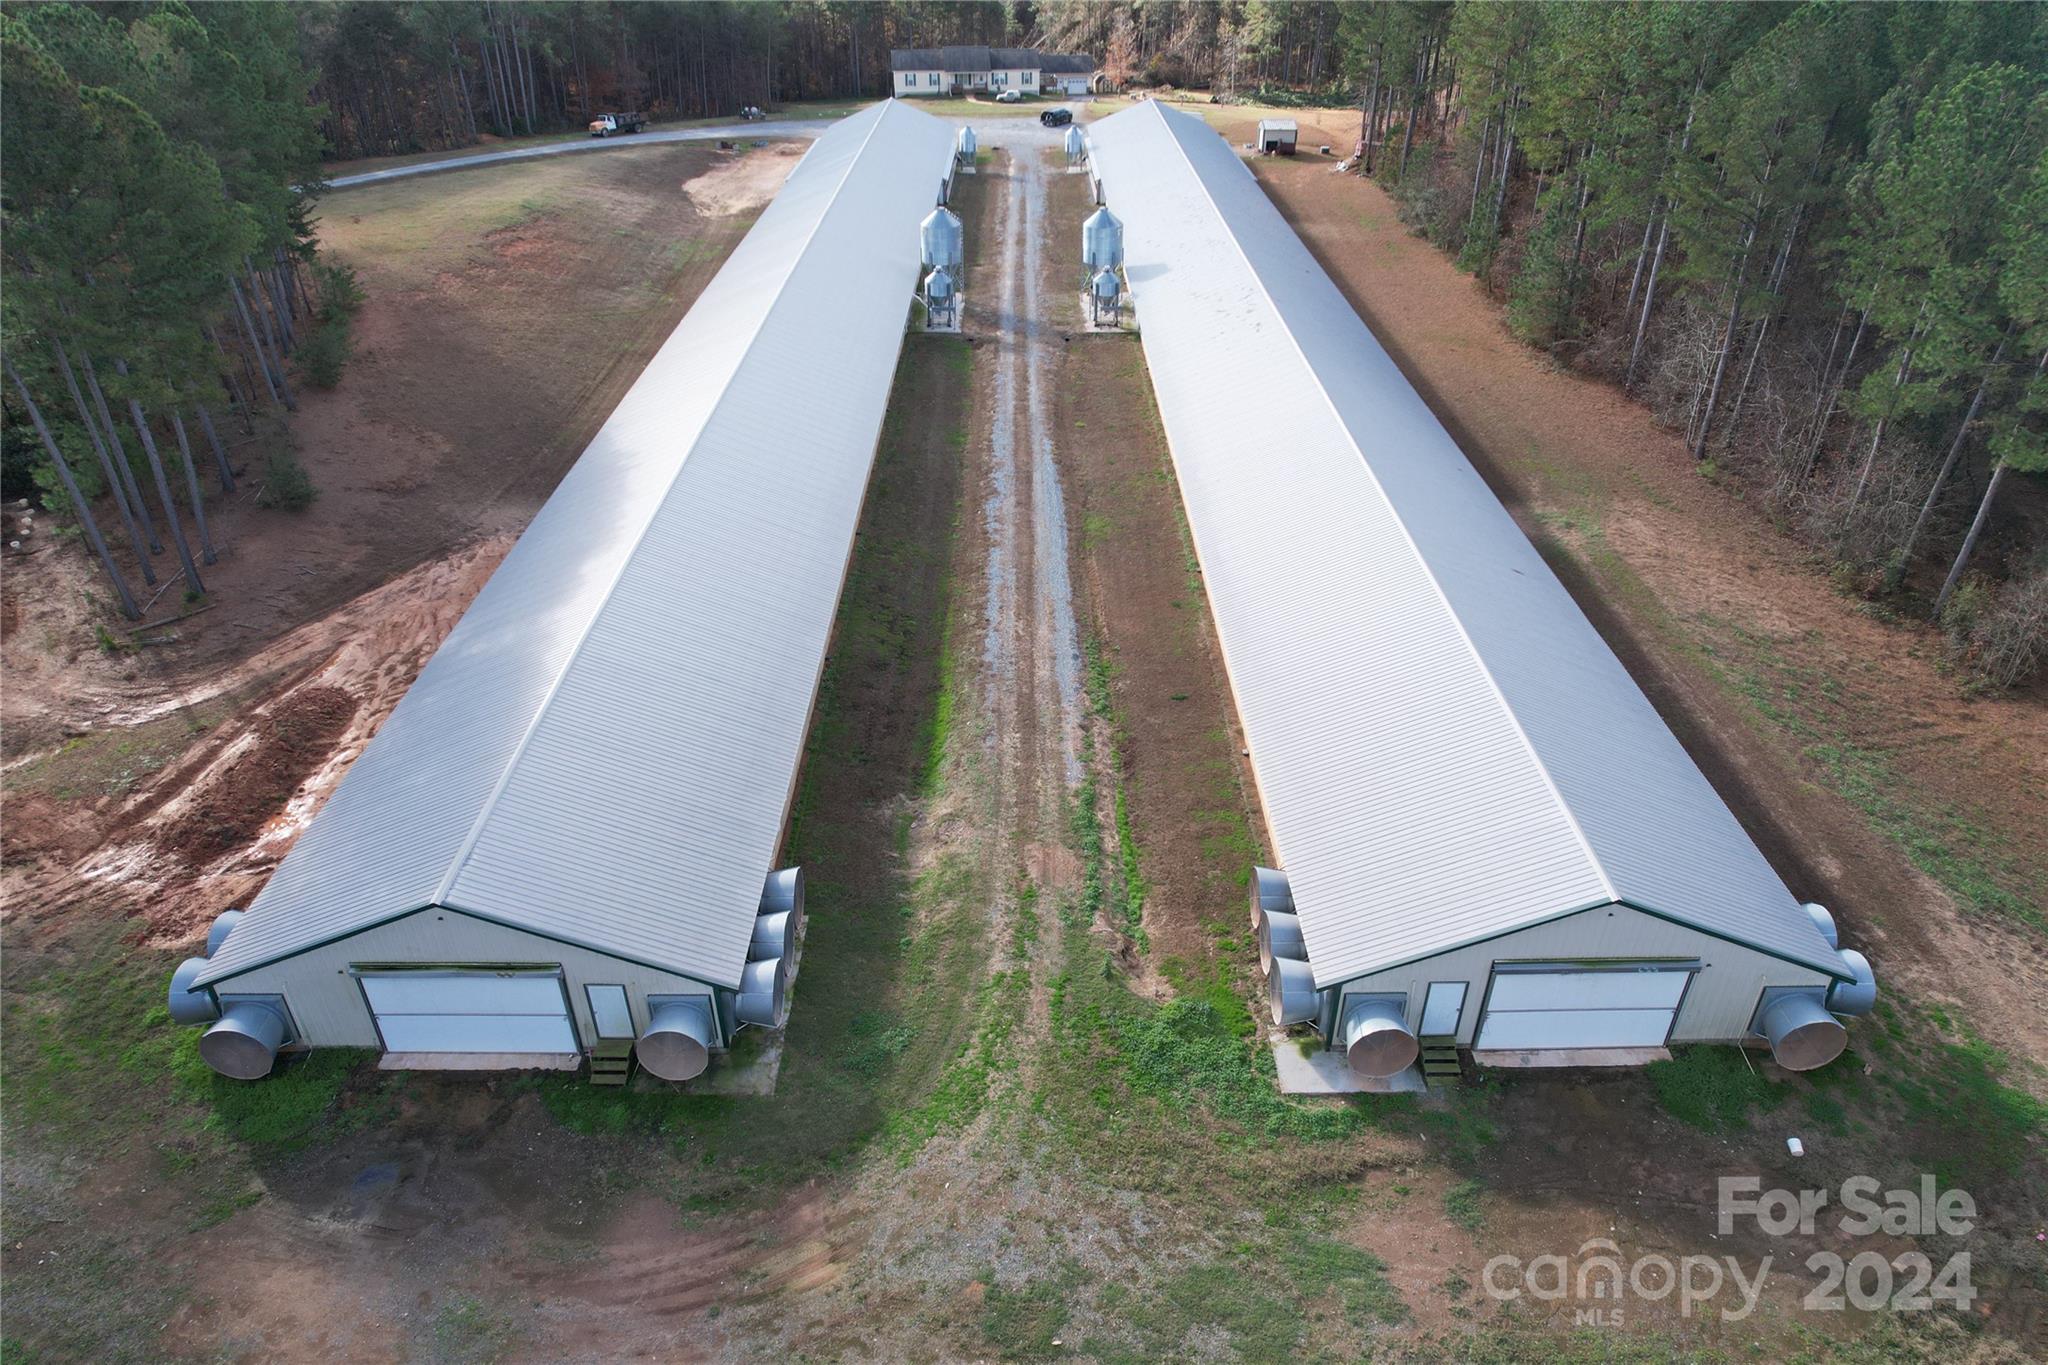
(932, 71)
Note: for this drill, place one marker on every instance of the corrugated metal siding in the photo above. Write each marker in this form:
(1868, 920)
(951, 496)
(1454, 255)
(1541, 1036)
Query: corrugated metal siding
(1717, 1005)
(603, 747)
(1445, 748)
(327, 1005)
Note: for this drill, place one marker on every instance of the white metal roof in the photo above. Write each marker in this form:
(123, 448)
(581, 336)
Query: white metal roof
(1445, 748)
(603, 749)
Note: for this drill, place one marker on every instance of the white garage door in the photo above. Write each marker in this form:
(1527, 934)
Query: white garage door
(470, 1012)
(1577, 1008)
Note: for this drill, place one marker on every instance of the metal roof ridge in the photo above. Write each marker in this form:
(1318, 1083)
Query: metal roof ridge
(468, 847)
(1493, 684)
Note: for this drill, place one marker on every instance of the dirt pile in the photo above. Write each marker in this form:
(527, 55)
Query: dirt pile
(744, 183)
(287, 744)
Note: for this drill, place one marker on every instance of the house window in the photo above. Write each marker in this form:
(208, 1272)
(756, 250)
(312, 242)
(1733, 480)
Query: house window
(932, 79)
(1031, 78)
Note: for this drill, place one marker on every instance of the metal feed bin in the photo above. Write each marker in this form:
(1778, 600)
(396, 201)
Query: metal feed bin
(940, 237)
(963, 146)
(1102, 241)
(1077, 145)
(939, 296)
(1106, 296)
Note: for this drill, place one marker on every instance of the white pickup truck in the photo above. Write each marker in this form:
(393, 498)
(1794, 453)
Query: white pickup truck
(604, 125)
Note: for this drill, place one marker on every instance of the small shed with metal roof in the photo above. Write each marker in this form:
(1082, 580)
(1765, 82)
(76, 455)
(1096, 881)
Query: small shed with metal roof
(1486, 835)
(564, 840)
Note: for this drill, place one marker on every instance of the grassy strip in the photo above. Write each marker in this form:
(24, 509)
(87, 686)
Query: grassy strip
(889, 1043)
(1128, 900)
(92, 1057)
(1957, 848)
(1925, 1100)
(1263, 1297)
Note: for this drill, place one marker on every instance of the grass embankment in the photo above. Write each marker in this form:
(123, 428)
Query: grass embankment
(111, 762)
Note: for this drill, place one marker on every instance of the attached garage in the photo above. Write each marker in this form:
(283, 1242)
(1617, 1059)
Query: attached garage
(1486, 836)
(568, 833)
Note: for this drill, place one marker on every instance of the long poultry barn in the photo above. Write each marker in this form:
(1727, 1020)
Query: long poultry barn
(1487, 836)
(563, 841)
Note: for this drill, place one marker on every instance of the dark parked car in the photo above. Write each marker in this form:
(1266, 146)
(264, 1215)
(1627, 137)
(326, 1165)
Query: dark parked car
(1056, 118)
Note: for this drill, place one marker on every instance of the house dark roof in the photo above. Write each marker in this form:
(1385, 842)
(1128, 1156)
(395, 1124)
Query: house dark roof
(988, 59)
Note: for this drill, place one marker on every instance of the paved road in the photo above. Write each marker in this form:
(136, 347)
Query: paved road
(736, 131)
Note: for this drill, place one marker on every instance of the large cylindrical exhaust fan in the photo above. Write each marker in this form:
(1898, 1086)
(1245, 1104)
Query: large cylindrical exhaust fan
(1800, 1025)
(1280, 936)
(244, 1043)
(1375, 1038)
(677, 1043)
(1858, 996)
(189, 1005)
(1291, 988)
(1802, 1034)
(1270, 891)
(1283, 954)
(223, 924)
(764, 989)
(778, 927)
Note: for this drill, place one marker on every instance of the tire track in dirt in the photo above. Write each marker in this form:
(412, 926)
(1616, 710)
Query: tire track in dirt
(1031, 654)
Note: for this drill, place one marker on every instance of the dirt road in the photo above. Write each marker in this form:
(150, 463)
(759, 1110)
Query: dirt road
(779, 128)
(1031, 654)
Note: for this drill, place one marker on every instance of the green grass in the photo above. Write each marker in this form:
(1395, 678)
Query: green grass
(1960, 848)
(1126, 870)
(1262, 1297)
(1712, 1089)
(111, 762)
(965, 1086)
(298, 1104)
(896, 1033)
(90, 1049)
(1463, 1205)
(468, 1332)
(1023, 1323)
